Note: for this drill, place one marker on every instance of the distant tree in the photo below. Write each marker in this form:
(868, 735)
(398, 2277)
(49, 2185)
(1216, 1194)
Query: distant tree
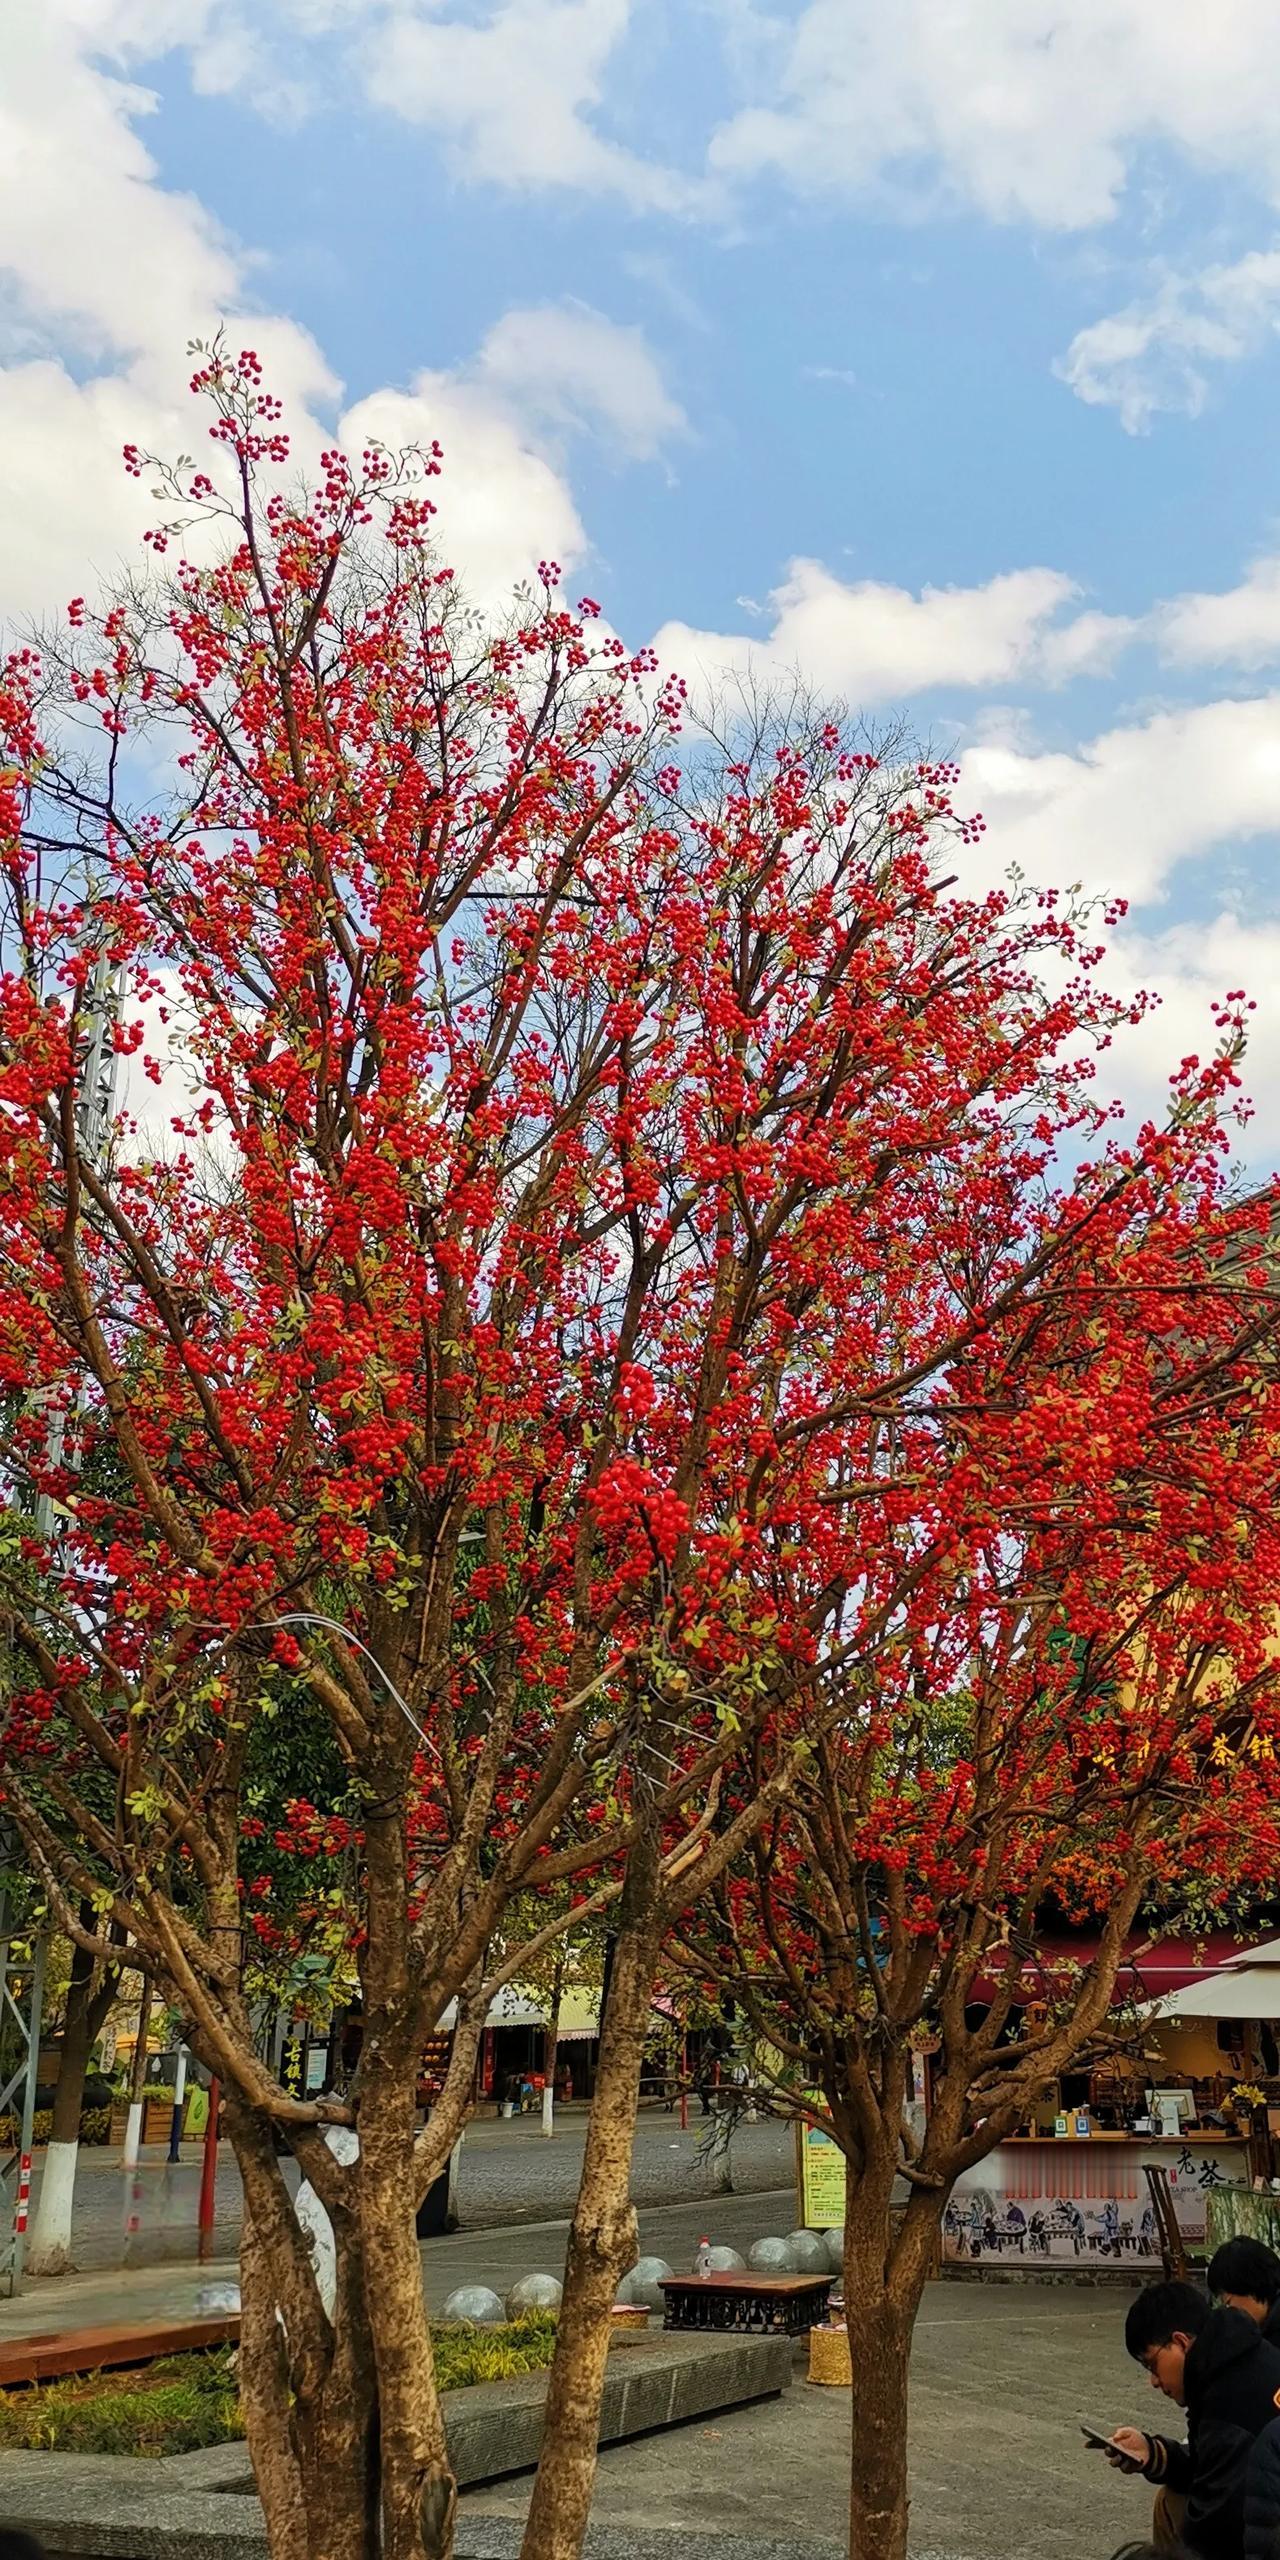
(1082, 1717)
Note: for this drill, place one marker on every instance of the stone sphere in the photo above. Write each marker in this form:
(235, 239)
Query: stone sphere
(534, 2293)
(475, 2306)
(217, 2301)
(770, 2257)
(808, 2253)
(644, 2283)
(834, 2243)
(725, 2262)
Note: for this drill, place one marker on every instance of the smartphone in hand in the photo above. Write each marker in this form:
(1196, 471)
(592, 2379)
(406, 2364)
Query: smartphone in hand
(1100, 2443)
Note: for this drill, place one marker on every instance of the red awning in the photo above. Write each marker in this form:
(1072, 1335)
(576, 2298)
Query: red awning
(1150, 1970)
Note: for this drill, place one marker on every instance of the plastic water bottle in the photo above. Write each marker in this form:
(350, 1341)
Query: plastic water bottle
(702, 2259)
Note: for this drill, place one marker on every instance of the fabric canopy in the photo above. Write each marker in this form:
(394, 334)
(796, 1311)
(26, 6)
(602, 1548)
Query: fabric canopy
(512, 2007)
(1238, 1991)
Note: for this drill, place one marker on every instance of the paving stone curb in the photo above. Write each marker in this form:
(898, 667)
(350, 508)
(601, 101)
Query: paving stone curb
(200, 2506)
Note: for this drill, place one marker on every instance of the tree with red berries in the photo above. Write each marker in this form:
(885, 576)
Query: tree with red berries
(1081, 1721)
(565, 1128)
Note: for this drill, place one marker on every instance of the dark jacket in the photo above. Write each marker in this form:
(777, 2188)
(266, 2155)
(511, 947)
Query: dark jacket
(1232, 2386)
(1262, 2495)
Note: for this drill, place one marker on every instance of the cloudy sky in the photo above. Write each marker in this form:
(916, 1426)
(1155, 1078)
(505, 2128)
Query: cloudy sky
(930, 348)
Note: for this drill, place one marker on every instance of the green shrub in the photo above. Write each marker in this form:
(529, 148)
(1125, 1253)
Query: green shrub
(11, 2129)
(177, 2405)
(464, 2355)
(182, 2403)
(95, 2127)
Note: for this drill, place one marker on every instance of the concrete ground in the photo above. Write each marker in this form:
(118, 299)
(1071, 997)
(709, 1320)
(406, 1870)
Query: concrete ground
(509, 2174)
(1001, 2377)
(495, 2258)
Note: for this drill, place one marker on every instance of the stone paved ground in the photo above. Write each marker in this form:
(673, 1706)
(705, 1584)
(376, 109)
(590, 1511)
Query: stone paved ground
(1001, 2376)
(510, 2174)
(494, 2257)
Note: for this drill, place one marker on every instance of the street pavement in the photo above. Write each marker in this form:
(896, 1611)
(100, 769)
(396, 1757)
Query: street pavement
(510, 2173)
(495, 2257)
(1001, 2375)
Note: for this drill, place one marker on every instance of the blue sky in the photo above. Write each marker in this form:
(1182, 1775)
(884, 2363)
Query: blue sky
(932, 350)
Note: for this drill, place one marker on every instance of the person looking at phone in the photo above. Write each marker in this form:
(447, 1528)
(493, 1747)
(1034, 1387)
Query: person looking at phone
(1245, 2274)
(1216, 2365)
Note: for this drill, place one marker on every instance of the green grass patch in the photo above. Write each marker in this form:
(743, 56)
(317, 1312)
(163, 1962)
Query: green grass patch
(494, 2355)
(175, 2405)
(181, 2403)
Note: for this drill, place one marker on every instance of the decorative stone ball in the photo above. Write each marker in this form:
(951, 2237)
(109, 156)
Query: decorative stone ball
(725, 2262)
(770, 2257)
(534, 2293)
(217, 2301)
(475, 2306)
(644, 2283)
(808, 2253)
(834, 2241)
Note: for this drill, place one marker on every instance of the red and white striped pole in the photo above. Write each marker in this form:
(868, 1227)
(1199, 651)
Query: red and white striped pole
(23, 2204)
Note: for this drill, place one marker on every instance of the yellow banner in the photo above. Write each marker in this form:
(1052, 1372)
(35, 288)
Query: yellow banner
(821, 2180)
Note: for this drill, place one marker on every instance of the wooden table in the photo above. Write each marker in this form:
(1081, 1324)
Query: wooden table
(778, 2306)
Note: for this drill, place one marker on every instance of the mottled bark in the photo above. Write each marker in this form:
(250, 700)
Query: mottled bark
(884, 2277)
(602, 2241)
(307, 2378)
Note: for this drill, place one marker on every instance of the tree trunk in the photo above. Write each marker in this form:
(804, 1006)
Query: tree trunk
(419, 2494)
(49, 2248)
(307, 2381)
(883, 2282)
(602, 2245)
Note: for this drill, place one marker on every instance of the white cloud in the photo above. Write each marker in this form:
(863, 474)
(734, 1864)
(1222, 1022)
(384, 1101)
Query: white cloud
(573, 368)
(1027, 109)
(502, 505)
(1239, 627)
(865, 642)
(1153, 355)
(513, 96)
(109, 280)
(1190, 967)
(1121, 812)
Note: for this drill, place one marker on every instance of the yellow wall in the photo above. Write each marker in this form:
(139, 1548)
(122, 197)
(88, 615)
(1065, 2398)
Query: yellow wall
(1192, 2052)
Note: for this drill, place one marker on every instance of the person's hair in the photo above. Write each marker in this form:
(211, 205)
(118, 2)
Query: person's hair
(1246, 2266)
(1158, 2314)
(16, 2545)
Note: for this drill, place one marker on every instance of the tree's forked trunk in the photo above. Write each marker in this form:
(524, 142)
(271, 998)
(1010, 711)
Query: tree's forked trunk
(307, 2382)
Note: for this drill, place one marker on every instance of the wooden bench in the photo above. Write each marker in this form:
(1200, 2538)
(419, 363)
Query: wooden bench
(43, 2358)
(773, 2306)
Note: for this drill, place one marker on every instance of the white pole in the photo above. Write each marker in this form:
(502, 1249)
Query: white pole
(179, 2093)
(133, 2133)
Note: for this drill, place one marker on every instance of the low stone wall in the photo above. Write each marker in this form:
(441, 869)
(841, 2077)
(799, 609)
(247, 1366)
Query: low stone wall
(201, 2506)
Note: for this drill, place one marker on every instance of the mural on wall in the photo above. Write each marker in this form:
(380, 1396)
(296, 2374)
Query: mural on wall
(1059, 2203)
